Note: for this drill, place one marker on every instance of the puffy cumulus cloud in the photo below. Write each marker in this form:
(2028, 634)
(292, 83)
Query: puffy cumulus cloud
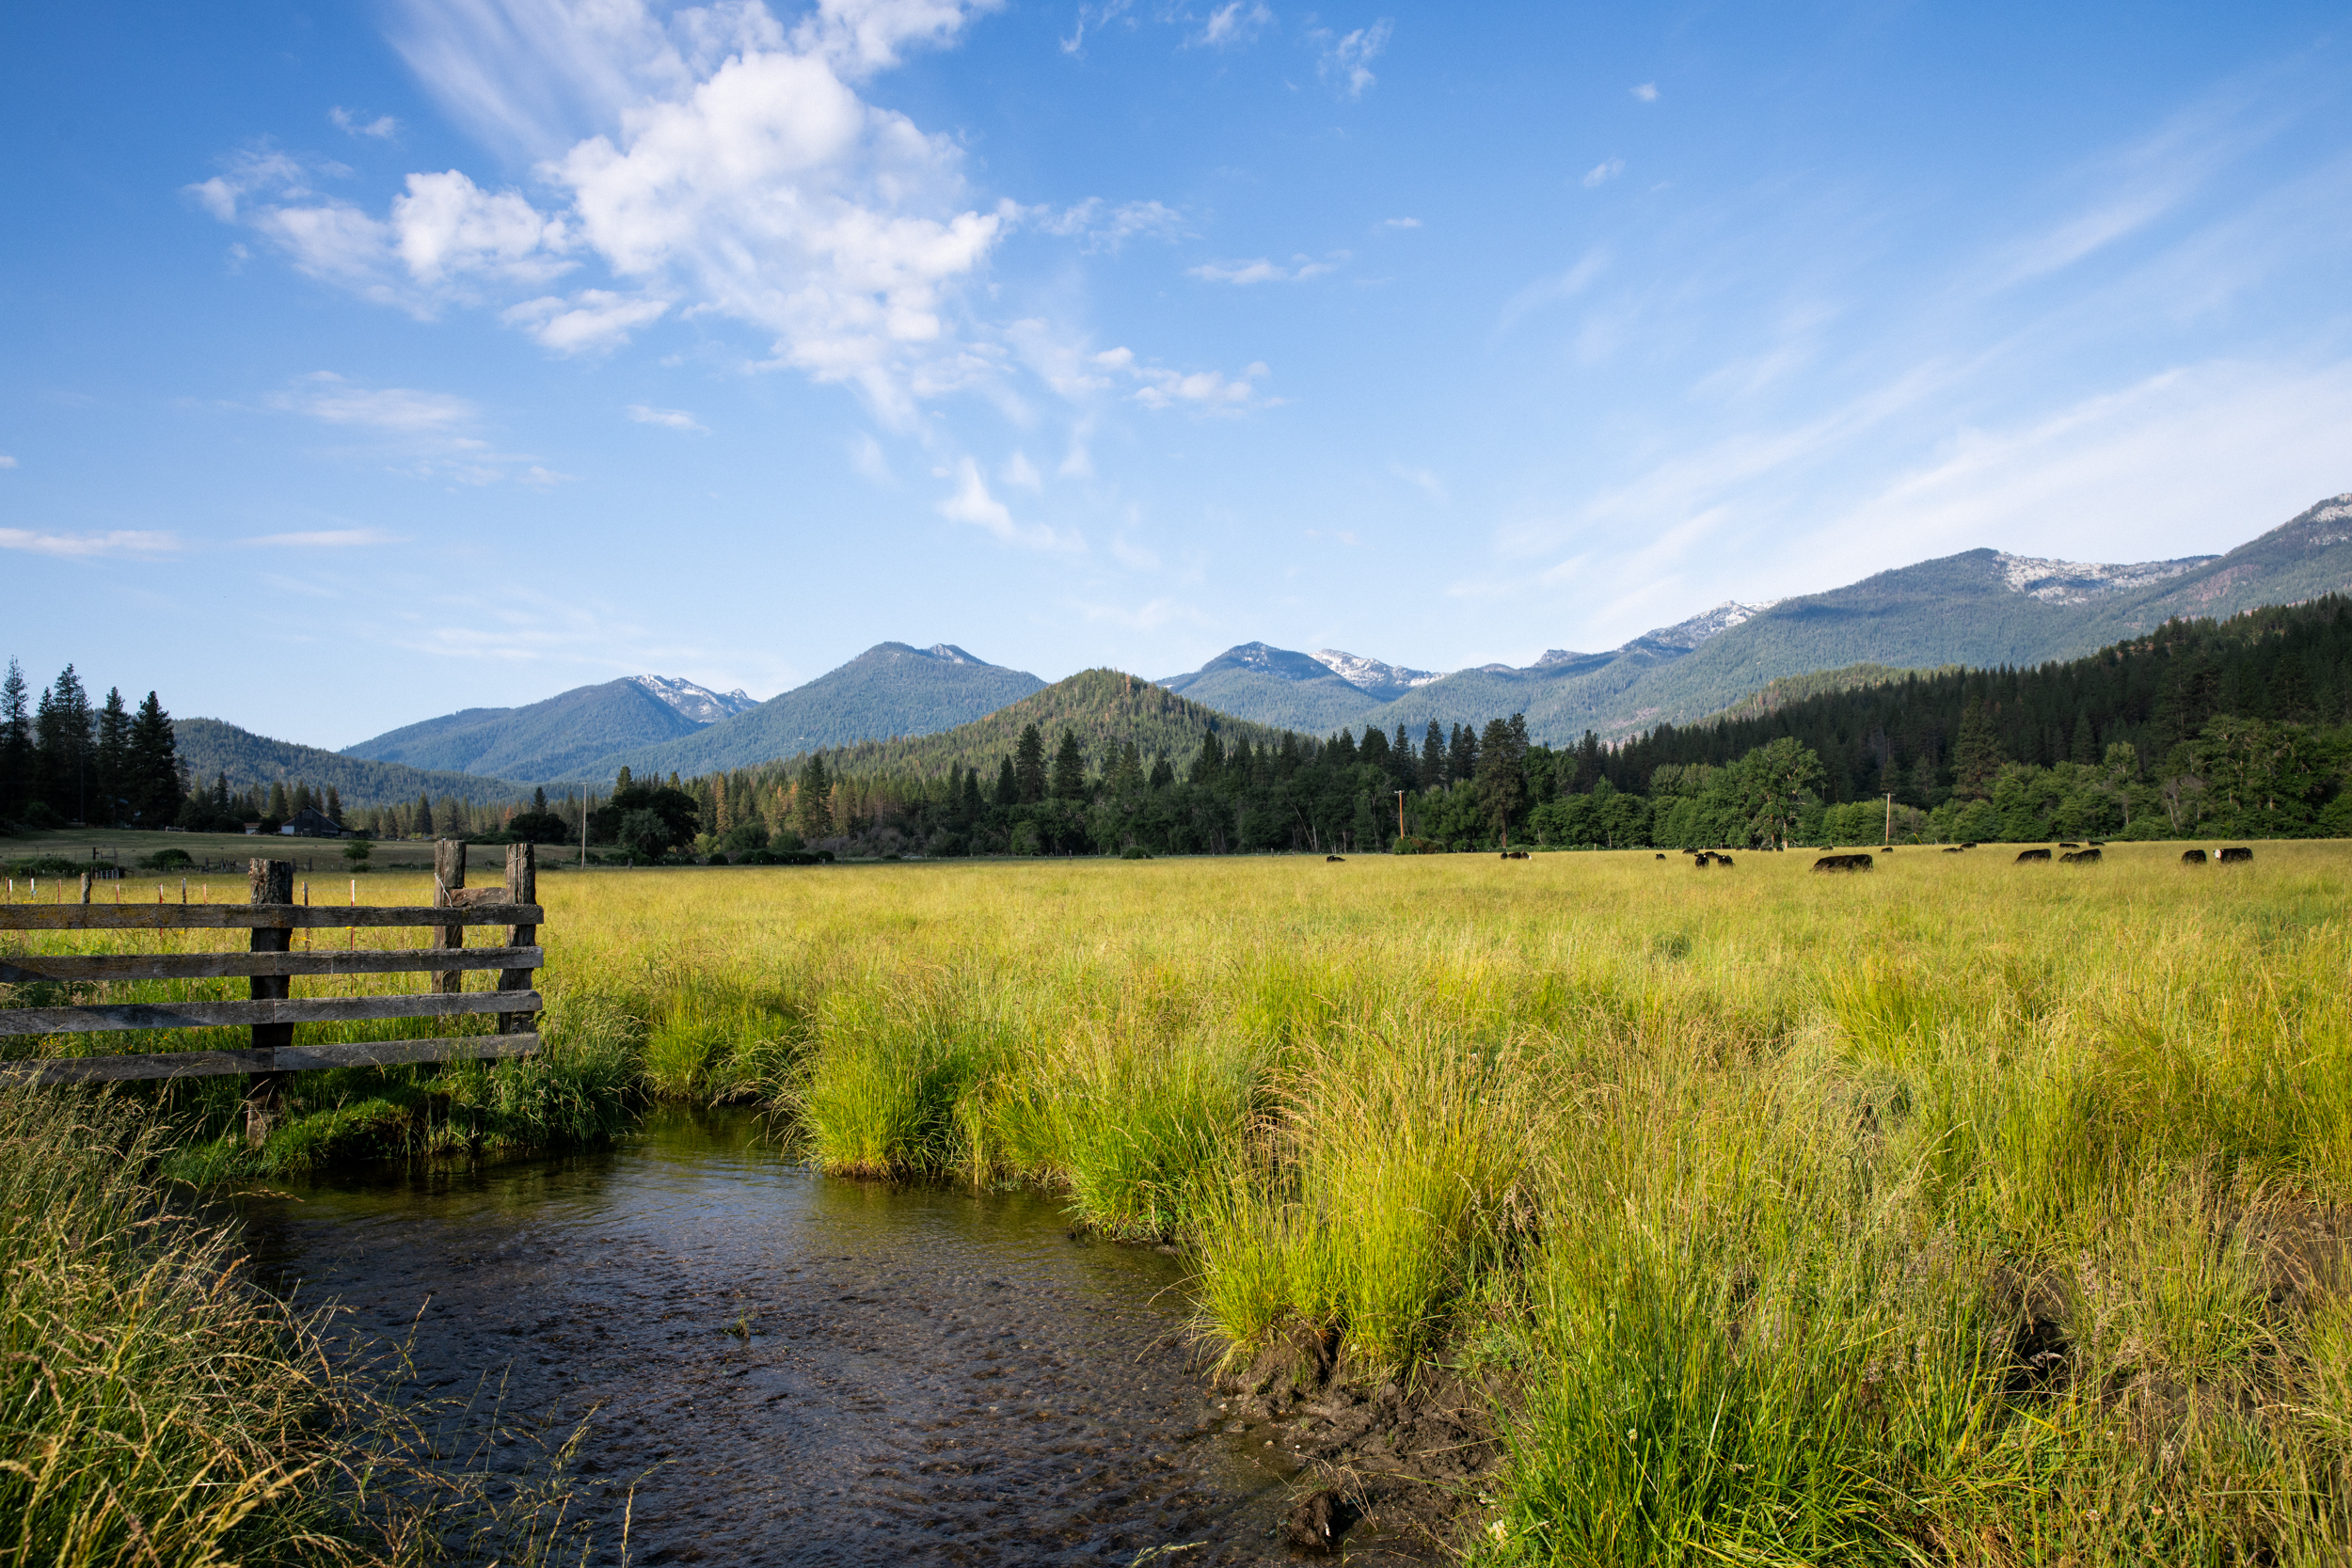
(1345, 59)
(1646, 92)
(590, 322)
(775, 194)
(444, 226)
(84, 547)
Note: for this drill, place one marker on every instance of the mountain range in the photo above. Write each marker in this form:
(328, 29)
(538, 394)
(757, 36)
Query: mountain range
(1981, 607)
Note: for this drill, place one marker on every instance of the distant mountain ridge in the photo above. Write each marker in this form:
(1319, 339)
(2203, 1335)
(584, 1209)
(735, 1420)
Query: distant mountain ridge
(1982, 608)
(561, 738)
(891, 690)
(211, 747)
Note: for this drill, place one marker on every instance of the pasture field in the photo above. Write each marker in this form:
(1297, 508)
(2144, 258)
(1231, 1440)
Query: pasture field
(1960, 1211)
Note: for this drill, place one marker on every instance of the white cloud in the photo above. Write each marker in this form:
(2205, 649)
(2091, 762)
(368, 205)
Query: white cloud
(1345, 60)
(1602, 173)
(972, 503)
(382, 128)
(324, 395)
(1105, 228)
(669, 419)
(1399, 223)
(1549, 291)
(1160, 388)
(545, 477)
(1018, 471)
(445, 225)
(1423, 481)
(1094, 17)
(1234, 23)
(1646, 92)
(591, 320)
(1264, 271)
(326, 539)
(7, 462)
(84, 547)
(866, 458)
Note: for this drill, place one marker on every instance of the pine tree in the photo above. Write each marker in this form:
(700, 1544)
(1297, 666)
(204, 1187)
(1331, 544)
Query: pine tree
(973, 807)
(335, 803)
(1461, 763)
(424, 813)
(538, 800)
(1975, 755)
(1163, 773)
(1008, 783)
(1127, 777)
(64, 721)
(1028, 764)
(1209, 765)
(111, 762)
(812, 811)
(16, 744)
(1433, 757)
(1501, 787)
(1374, 749)
(279, 808)
(1070, 768)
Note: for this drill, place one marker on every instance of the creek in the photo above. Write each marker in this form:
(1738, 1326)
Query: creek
(778, 1367)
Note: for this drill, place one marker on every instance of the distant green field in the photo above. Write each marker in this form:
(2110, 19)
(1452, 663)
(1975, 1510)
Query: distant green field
(226, 854)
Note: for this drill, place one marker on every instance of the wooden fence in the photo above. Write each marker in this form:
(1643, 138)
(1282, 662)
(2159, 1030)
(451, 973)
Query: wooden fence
(271, 966)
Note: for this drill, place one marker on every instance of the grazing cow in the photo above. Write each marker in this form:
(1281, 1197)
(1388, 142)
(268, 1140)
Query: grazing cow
(1328, 859)
(1843, 862)
(2192, 857)
(1726, 860)
(1662, 854)
(2024, 855)
(1967, 846)
(1951, 849)
(1703, 859)
(2231, 857)
(2063, 845)
(2080, 857)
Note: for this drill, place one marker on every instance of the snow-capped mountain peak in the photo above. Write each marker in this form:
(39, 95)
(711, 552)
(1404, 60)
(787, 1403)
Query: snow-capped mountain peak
(2079, 581)
(697, 703)
(1371, 675)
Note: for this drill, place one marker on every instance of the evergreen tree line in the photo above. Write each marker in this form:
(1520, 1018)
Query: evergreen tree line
(2242, 727)
(63, 760)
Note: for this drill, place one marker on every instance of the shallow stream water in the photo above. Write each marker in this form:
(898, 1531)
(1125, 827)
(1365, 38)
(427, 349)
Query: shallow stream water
(783, 1368)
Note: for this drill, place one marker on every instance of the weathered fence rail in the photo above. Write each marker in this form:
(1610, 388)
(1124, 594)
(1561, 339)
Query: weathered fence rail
(271, 964)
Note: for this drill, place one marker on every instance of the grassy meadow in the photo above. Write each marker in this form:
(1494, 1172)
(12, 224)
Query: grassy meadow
(1961, 1212)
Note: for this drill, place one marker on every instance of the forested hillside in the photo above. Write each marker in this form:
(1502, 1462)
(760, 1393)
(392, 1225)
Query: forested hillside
(557, 738)
(210, 747)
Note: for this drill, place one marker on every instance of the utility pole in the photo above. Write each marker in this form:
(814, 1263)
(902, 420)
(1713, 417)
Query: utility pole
(584, 824)
(1889, 839)
(1400, 813)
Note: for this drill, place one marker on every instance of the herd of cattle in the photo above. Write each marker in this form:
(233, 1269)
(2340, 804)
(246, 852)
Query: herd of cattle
(2067, 854)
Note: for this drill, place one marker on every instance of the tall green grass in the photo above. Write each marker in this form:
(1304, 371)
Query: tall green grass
(156, 1408)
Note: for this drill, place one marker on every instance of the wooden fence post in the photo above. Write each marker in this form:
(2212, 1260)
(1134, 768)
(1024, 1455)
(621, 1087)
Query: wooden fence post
(270, 882)
(522, 887)
(449, 878)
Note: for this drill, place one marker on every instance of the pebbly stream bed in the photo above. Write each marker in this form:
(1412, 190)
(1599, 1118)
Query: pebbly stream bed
(788, 1368)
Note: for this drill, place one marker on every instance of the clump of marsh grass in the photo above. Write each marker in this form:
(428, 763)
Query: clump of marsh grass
(160, 1410)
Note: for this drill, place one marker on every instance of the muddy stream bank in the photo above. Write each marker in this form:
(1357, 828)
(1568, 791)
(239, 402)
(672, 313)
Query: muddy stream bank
(794, 1370)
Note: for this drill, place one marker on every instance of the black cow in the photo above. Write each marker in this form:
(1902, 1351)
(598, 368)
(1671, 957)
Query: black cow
(2192, 857)
(2080, 857)
(2232, 857)
(1328, 859)
(1951, 849)
(2063, 845)
(2024, 855)
(1662, 854)
(1967, 846)
(1843, 862)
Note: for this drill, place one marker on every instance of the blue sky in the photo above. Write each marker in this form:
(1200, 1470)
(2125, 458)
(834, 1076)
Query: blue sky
(364, 363)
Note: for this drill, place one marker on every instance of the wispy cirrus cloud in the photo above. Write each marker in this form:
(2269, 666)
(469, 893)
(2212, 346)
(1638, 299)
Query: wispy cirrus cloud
(1298, 270)
(132, 543)
(1602, 173)
(324, 395)
(668, 419)
(325, 539)
(1233, 23)
(1345, 59)
(382, 128)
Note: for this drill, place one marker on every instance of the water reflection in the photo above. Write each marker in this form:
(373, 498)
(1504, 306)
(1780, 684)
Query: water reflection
(797, 1370)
